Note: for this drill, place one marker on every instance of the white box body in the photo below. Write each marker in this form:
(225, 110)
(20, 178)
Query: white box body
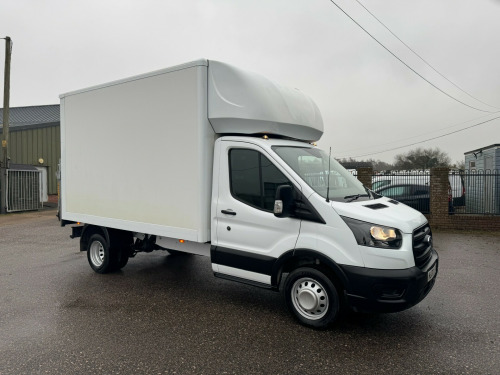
(137, 153)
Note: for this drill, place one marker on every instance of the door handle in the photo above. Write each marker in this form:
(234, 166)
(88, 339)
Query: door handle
(228, 212)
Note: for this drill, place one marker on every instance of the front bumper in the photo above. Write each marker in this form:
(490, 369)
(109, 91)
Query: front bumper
(376, 290)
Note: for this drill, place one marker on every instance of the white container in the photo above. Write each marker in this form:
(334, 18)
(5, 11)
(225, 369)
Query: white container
(137, 153)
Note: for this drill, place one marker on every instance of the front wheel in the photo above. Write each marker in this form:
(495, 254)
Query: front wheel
(312, 297)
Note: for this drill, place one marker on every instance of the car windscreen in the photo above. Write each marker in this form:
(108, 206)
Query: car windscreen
(321, 173)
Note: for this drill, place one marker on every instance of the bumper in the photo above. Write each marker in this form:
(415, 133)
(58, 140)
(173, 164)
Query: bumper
(375, 290)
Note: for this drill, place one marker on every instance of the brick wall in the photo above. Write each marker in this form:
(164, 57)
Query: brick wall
(365, 176)
(440, 217)
(439, 205)
(467, 223)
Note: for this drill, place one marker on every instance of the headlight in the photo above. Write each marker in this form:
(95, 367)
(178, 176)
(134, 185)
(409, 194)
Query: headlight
(374, 235)
(383, 233)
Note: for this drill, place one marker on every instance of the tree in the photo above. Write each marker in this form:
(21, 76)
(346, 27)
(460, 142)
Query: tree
(459, 164)
(377, 165)
(422, 158)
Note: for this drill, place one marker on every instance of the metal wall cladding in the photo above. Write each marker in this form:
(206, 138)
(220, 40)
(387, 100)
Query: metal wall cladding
(31, 146)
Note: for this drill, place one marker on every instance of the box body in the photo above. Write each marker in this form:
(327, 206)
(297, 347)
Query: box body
(137, 154)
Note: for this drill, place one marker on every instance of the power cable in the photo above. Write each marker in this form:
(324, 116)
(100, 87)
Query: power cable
(421, 58)
(419, 136)
(405, 64)
(426, 140)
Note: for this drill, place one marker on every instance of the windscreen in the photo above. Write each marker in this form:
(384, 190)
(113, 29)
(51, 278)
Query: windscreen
(312, 165)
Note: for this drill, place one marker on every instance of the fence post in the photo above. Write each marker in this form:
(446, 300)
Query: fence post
(365, 176)
(439, 196)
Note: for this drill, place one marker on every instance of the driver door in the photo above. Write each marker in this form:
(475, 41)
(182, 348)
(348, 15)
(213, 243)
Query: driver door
(249, 238)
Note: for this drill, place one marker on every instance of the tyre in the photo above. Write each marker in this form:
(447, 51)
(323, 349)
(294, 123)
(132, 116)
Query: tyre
(312, 297)
(99, 255)
(122, 243)
(123, 259)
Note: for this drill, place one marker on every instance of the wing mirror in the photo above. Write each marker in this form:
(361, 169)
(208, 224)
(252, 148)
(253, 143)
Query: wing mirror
(283, 201)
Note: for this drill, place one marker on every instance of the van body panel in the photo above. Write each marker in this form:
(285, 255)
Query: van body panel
(245, 231)
(390, 214)
(252, 104)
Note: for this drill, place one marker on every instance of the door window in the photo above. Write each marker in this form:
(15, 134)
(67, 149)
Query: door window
(254, 179)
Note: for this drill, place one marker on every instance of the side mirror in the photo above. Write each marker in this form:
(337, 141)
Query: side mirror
(283, 201)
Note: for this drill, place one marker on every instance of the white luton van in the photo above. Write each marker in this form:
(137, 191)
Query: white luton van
(209, 159)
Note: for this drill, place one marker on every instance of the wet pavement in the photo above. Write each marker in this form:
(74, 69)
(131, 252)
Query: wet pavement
(166, 314)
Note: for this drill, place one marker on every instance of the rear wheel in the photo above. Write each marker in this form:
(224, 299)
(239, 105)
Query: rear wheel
(123, 259)
(100, 256)
(312, 297)
(123, 242)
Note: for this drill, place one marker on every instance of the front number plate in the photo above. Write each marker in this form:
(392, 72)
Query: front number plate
(431, 273)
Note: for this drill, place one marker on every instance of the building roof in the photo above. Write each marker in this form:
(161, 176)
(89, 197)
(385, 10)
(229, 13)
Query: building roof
(33, 116)
(482, 149)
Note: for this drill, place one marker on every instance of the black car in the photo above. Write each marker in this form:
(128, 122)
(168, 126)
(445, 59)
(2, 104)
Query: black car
(415, 196)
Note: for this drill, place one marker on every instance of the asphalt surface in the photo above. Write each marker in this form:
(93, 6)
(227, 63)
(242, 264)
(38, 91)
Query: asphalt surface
(165, 314)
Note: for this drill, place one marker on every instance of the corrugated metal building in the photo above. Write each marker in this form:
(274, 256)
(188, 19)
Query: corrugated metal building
(35, 139)
(486, 158)
(482, 180)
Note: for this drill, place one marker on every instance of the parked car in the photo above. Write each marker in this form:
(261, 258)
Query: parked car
(416, 196)
(456, 183)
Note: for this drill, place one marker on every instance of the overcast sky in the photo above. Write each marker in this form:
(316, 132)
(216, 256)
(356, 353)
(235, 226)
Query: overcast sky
(369, 100)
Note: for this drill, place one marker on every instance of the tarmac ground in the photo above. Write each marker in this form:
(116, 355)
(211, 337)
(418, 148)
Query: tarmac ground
(167, 314)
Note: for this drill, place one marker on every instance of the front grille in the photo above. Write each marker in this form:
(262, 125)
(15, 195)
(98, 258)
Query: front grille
(422, 245)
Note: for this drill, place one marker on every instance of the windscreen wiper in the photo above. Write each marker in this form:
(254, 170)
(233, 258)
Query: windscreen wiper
(351, 198)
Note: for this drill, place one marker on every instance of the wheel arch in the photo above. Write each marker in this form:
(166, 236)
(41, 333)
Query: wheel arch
(88, 231)
(114, 237)
(294, 259)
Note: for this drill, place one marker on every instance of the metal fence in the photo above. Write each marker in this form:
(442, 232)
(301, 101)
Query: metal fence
(482, 192)
(23, 190)
(474, 192)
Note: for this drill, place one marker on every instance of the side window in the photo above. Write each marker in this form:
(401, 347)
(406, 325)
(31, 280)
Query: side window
(254, 179)
(421, 190)
(271, 179)
(395, 191)
(380, 184)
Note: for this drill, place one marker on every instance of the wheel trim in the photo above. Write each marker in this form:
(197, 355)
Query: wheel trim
(309, 298)
(97, 253)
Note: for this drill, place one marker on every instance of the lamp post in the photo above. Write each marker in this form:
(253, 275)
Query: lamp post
(5, 131)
